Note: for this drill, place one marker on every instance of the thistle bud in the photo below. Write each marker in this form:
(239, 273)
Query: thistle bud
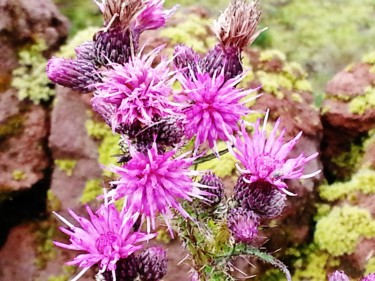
(79, 75)
(338, 275)
(260, 197)
(85, 51)
(186, 60)
(243, 224)
(210, 179)
(126, 270)
(152, 264)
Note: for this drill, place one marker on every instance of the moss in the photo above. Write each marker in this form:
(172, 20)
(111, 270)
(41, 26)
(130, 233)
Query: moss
(67, 51)
(348, 161)
(18, 175)
(68, 271)
(223, 167)
(370, 266)
(269, 55)
(193, 30)
(12, 126)
(66, 165)
(362, 103)
(91, 191)
(272, 275)
(96, 130)
(45, 250)
(339, 232)
(369, 58)
(30, 78)
(303, 85)
(53, 203)
(363, 181)
(274, 83)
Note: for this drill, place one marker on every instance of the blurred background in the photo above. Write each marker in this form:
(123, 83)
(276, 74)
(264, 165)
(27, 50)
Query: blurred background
(316, 64)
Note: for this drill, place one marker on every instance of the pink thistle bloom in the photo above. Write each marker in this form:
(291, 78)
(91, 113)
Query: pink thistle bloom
(213, 107)
(153, 16)
(137, 90)
(370, 277)
(338, 275)
(265, 160)
(104, 238)
(154, 182)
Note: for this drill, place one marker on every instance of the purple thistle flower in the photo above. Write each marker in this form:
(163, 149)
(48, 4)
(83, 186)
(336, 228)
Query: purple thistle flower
(265, 160)
(126, 270)
(152, 264)
(338, 275)
(243, 224)
(152, 183)
(370, 277)
(105, 238)
(213, 107)
(79, 75)
(216, 190)
(185, 60)
(152, 16)
(137, 90)
(261, 197)
(85, 51)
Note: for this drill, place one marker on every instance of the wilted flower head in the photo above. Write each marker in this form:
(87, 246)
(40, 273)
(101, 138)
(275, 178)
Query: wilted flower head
(104, 239)
(236, 27)
(265, 160)
(338, 275)
(213, 107)
(243, 224)
(137, 90)
(152, 183)
(370, 277)
(152, 264)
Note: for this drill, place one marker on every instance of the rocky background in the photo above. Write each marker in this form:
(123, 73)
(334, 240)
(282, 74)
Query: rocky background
(51, 143)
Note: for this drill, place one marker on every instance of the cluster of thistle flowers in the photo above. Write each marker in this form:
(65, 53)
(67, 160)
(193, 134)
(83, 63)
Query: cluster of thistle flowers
(134, 95)
(339, 275)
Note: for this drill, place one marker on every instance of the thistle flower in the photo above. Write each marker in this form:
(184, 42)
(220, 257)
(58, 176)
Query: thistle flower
(338, 275)
(370, 277)
(152, 264)
(153, 183)
(236, 26)
(85, 51)
(137, 90)
(126, 270)
(243, 224)
(261, 197)
(265, 160)
(105, 238)
(213, 107)
(185, 59)
(217, 192)
(79, 75)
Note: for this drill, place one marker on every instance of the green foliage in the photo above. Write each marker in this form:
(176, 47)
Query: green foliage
(30, 78)
(92, 190)
(370, 266)
(366, 101)
(18, 175)
(66, 165)
(12, 126)
(339, 232)
(363, 181)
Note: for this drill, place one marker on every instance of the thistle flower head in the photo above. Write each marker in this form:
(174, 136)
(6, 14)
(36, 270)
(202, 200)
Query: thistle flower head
(338, 275)
(137, 90)
(261, 197)
(236, 26)
(154, 182)
(266, 160)
(185, 59)
(152, 264)
(217, 190)
(85, 51)
(104, 238)
(126, 270)
(213, 107)
(153, 16)
(370, 277)
(243, 224)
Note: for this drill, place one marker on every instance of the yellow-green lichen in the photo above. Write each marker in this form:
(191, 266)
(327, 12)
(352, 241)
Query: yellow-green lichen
(96, 130)
(348, 161)
(11, 126)
(269, 55)
(193, 30)
(225, 166)
(30, 78)
(67, 51)
(369, 58)
(339, 232)
(18, 175)
(274, 83)
(363, 181)
(53, 203)
(45, 250)
(364, 102)
(91, 191)
(370, 266)
(303, 85)
(66, 165)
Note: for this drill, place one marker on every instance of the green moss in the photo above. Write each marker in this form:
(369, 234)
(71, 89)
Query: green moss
(193, 30)
(18, 175)
(274, 83)
(67, 50)
(363, 181)
(92, 190)
(30, 78)
(12, 126)
(45, 250)
(339, 232)
(269, 55)
(66, 165)
(369, 58)
(303, 85)
(97, 130)
(348, 161)
(362, 103)
(53, 203)
(223, 167)
(370, 266)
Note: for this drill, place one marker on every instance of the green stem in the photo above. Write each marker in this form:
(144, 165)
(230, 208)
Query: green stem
(210, 157)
